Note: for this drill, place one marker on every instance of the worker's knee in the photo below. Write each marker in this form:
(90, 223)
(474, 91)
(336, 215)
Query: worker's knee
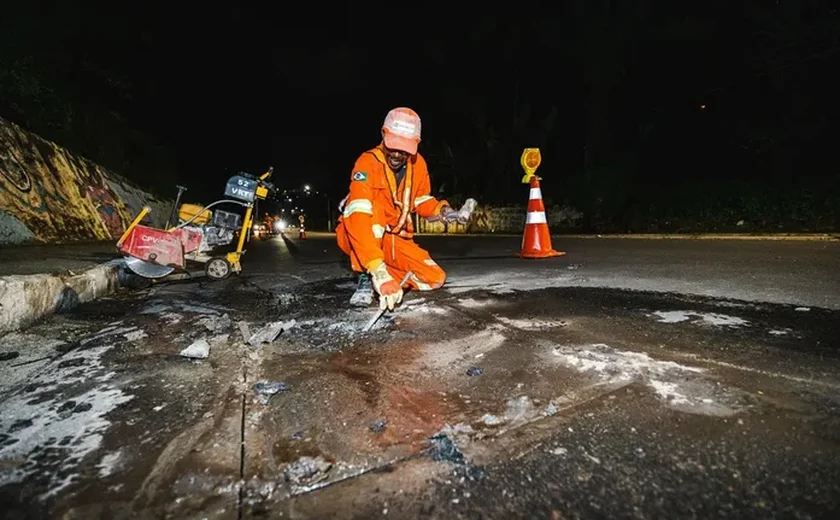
(439, 279)
(433, 278)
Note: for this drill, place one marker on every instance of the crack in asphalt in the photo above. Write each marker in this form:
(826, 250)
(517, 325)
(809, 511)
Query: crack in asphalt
(301, 491)
(769, 373)
(242, 452)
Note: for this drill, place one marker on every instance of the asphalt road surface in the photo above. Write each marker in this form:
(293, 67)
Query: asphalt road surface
(627, 379)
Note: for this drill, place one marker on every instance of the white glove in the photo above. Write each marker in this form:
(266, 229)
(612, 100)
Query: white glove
(389, 290)
(462, 216)
(466, 211)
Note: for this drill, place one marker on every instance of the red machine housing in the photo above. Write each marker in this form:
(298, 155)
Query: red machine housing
(161, 247)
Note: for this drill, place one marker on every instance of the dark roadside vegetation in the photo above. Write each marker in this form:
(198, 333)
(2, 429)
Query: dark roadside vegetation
(651, 116)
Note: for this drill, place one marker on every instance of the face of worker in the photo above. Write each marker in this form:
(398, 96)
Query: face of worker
(396, 158)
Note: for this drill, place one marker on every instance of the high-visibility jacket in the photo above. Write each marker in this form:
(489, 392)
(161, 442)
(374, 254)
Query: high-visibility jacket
(377, 206)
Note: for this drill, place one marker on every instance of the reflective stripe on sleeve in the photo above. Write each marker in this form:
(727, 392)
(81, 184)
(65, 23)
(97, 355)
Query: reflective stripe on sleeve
(358, 206)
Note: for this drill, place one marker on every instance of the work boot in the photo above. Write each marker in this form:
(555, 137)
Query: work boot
(363, 296)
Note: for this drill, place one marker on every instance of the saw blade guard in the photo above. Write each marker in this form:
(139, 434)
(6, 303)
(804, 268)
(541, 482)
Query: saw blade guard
(147, 269)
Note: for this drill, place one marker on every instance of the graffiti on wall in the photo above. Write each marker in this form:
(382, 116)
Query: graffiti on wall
(48, 194)
(15, 174)
(107, 209)
(486, 219)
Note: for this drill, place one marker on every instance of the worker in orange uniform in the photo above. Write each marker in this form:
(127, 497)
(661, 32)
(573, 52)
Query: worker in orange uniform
(388, 183)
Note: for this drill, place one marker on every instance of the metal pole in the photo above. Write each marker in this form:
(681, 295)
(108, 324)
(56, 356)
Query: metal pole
(329, 216)
(173, 214)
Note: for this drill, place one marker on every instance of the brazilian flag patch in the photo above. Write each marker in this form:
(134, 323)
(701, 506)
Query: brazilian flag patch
(360, 176)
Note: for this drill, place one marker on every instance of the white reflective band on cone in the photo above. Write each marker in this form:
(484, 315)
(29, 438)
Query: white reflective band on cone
(535, 194)
(536, 217)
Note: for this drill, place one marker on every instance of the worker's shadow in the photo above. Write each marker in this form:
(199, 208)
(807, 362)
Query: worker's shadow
(299, 256)
(294, 250)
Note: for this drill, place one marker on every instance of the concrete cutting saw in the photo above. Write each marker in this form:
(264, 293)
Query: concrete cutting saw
(201, 232)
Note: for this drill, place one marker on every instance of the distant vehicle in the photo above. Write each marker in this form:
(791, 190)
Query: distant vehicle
(259, 230)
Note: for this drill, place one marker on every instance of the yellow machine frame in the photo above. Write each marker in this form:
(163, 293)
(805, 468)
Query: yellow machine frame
(247, 223)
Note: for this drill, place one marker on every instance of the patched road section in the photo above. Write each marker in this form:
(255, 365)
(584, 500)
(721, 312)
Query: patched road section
(498, 377)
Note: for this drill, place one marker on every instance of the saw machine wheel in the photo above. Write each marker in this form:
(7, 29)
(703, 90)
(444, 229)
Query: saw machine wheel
(218, 268)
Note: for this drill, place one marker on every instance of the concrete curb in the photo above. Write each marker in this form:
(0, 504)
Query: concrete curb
(24, 299)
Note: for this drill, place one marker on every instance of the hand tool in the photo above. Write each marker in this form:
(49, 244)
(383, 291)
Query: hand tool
(382, 311)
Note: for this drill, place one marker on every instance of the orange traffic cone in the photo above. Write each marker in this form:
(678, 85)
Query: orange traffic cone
(536, 242)
(302, 234)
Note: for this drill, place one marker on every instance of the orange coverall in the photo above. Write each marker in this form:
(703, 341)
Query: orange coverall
(376, 224)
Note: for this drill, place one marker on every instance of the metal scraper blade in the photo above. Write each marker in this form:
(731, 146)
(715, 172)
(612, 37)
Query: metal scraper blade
(379, 314)
(147, 269)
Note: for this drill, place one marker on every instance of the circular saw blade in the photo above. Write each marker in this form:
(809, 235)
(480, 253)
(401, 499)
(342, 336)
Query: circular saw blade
(147, 269)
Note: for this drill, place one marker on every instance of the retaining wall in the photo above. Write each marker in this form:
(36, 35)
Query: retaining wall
(48, 194)
(486, 219)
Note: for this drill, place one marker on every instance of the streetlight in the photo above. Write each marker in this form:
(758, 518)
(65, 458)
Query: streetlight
(307, 188)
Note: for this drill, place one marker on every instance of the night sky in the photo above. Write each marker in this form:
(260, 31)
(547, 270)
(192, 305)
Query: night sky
(632, 105)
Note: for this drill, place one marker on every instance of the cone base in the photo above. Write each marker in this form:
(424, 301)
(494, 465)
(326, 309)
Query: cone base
(541, 254)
